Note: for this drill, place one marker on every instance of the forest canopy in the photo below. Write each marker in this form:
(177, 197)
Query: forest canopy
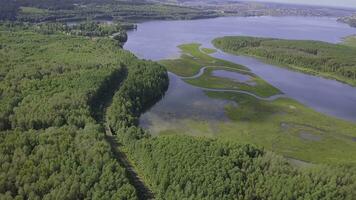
(79, 10)
(53, 87)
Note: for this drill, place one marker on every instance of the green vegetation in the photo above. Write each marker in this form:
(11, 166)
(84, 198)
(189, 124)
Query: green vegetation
(49, 82)
(208, 50)
(60, 163)
(54, 90)
(184, 167)
(193, 59)
(88, 28)
(334, 61)
(33, 11)
(282, 125)
(116, 31)
(350, 41)
(288, 128)
(58, 90)
(145, 84)
(72, 10)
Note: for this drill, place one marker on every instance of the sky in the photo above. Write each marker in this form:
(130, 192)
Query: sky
(339, 3)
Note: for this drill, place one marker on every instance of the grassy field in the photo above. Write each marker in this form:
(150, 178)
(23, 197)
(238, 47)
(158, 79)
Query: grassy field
(334, 61)
(283, 126)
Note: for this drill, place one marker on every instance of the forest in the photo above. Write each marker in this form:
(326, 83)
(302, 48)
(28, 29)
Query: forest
(53, 88)
(336, 61)
(75, 10)
(47, 80)
(60, 163)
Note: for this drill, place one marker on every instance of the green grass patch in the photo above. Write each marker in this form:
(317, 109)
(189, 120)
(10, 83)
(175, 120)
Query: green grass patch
(208, 50)
(259, 87)
(33, 10)
(193, 59)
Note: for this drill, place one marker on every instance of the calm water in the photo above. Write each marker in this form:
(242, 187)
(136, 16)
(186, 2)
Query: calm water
(324, 95)
(234, 76)
(183, 101)
(159, 39)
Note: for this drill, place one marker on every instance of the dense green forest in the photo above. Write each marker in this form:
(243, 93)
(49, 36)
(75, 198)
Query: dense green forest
(48, 80)
(335, 61)
(60, 163)
(86, 28)
(53, 91)
(145, 84)
(69, 10)
(183, 167)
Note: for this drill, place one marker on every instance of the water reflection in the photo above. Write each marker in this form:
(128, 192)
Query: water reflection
(183, 101)
(323, 95)
(234, 76)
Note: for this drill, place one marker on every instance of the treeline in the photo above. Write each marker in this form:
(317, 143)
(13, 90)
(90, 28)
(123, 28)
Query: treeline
(145, 85)
(183, 167)
(68, 10)
(331, 60)
(12, 6)
(60, 163)
(88, 28)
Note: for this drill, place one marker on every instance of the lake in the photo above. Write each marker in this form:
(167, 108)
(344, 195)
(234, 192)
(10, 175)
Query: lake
(157, 40)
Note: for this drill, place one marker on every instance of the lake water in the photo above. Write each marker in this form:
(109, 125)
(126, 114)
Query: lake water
(234, 76)
(183, 101)
(157, 40)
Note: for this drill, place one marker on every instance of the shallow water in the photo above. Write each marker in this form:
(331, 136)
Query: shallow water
(183, 101)
(159, 40)
(234, 76)
(324, 95)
